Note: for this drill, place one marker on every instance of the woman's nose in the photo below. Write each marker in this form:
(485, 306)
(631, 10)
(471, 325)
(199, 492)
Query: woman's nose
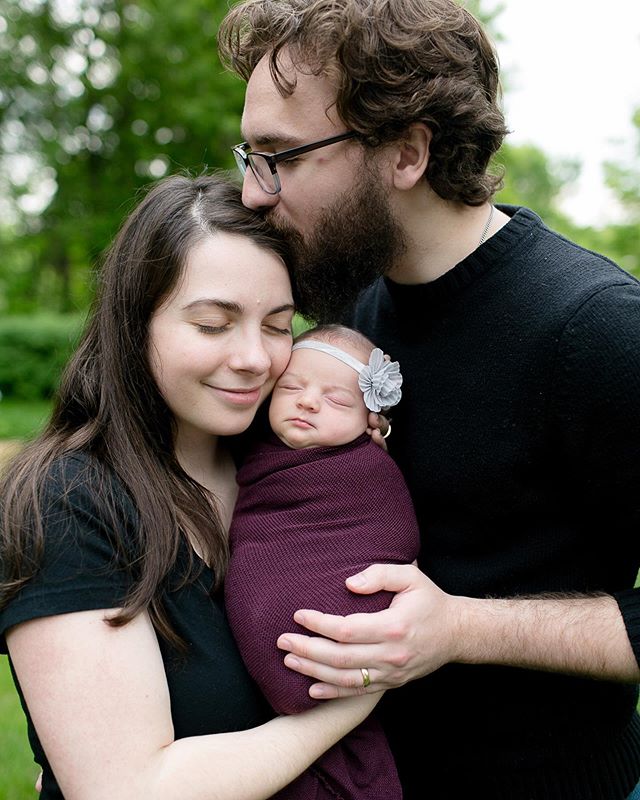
(250, 355)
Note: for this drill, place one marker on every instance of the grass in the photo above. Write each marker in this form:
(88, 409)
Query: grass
(18, 771)
(19, 422)
(20, 419)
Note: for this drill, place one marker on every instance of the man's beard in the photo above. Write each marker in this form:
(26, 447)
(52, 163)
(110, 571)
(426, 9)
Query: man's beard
(352, 244)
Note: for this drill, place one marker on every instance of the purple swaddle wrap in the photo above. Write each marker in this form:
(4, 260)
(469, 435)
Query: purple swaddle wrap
(304, 521)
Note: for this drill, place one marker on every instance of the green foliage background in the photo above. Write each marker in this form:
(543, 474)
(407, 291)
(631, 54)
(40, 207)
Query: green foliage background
(17, 769)
(103, 97)
(33, 351)
(100, 97)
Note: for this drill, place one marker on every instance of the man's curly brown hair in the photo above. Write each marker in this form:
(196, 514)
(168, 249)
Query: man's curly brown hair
(394, 62)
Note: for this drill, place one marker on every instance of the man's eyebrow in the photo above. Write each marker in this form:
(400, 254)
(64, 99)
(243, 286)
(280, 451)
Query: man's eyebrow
(278, 141)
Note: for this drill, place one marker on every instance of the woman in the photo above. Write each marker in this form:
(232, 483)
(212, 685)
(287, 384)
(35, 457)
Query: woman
(114, 522)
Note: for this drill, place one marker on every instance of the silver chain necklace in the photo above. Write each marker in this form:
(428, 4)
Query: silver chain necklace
(486, 227)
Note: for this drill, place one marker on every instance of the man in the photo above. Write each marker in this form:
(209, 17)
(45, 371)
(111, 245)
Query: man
(369, 128)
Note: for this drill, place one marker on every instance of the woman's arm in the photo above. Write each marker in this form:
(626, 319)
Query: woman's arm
(100, 704)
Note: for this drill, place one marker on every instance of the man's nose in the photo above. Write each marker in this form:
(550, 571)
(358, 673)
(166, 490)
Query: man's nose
(253, 196)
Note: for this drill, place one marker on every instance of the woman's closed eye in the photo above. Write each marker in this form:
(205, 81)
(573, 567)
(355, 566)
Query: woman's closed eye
(279, 322)
(284, 330)
(211, 328)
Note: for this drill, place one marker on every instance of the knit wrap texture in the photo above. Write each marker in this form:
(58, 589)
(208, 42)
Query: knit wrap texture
(305, 520)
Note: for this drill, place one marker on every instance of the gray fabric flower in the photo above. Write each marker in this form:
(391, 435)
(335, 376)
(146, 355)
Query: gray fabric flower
(380, 382)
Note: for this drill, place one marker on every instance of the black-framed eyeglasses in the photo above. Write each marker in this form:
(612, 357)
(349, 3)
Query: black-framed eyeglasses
(263, 165)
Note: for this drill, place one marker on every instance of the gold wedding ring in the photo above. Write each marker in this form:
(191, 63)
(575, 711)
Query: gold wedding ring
(366, 679)
(384, 435)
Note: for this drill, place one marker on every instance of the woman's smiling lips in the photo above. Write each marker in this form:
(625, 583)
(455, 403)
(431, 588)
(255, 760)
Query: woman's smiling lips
(238, 397)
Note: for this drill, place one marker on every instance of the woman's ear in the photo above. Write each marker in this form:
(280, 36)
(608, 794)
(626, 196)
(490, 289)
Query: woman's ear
(411, 156)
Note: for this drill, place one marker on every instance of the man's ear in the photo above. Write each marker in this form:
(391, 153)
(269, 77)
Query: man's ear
(411, 156)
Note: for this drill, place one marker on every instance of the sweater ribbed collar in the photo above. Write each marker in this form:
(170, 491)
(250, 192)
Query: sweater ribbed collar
(490, 255)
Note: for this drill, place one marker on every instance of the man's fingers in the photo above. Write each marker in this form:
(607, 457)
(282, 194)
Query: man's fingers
(378, 422)
(354, 629)
(350, 678)
(384, 577)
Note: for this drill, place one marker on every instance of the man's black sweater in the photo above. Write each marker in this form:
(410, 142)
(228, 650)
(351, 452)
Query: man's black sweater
(519, 436)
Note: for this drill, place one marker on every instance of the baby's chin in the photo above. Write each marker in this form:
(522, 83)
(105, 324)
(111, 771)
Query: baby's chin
(294, 442)
(305, 440)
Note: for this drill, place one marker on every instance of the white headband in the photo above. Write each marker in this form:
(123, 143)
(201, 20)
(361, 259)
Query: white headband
(379, 380)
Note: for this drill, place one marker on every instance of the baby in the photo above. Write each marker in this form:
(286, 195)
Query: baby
(318, 502)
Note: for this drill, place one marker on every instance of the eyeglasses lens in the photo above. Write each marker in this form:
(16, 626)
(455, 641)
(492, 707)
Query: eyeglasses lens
(240, 161)
(263, 173)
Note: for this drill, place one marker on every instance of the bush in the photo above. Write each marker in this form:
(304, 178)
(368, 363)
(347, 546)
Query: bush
(33, 352)
(22, 419)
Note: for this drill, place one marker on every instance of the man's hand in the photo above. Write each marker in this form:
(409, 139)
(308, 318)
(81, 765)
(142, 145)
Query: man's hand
(378, 428)
(424, 628)
(413, 637)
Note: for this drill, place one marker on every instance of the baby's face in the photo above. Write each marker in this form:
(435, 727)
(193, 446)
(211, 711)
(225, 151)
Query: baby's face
(317, 401)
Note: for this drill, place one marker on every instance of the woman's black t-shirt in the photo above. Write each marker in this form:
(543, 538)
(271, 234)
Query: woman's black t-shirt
(84, 569)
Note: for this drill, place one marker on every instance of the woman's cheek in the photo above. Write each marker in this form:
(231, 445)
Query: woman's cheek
(281, 360)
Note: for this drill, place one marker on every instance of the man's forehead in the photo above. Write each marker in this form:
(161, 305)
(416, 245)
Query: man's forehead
(269, 118)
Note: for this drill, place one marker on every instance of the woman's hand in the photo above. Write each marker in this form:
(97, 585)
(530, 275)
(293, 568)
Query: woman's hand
(416, 635)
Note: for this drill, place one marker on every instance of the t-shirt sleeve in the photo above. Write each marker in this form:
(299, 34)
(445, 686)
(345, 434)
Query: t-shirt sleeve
(598, 387)
(84, 564)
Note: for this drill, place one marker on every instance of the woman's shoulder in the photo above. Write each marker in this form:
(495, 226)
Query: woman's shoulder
(81, 477)
(74, 468)
(83, 504)
(77, 539)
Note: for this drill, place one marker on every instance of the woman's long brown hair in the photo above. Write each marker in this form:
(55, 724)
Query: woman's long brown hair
(109, 406)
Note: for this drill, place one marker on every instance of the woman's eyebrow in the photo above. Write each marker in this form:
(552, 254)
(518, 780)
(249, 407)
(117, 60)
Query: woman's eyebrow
(280, 309)
(225, 305)
(232, 307)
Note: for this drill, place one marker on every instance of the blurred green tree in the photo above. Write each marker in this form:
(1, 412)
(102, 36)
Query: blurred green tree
(624, 182)
(98, 98)
(532, 179)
